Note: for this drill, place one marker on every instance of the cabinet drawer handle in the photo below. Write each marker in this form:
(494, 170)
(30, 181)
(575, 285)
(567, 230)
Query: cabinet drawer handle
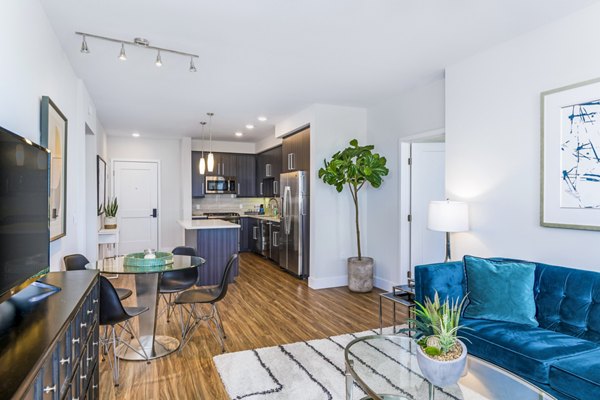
(95, 301)
(75, 398)
(75, 340)
(94, 343)
(65, 360)
(83, 325)
(94, 386)
(90, 312)
(83, 377)
(89, 358)
(49, 389)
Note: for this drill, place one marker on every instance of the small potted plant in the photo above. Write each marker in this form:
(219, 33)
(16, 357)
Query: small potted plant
(354, 167)
(441, 354)
(110, 214)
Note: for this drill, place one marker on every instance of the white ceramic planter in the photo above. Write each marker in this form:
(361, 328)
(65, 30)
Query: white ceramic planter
(442, 373)
(110, 222)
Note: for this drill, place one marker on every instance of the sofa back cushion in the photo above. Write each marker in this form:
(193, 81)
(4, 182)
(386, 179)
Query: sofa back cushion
(568, 301)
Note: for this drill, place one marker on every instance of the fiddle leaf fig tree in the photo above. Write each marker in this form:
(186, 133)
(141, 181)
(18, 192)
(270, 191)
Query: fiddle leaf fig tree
(354, 167)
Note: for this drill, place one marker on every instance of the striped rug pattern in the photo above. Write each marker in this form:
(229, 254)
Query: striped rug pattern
(314, 370)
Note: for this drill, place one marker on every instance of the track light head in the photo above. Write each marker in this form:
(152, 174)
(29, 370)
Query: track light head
(122, 55)
(192, 66)
(158, 60)
(84, 46)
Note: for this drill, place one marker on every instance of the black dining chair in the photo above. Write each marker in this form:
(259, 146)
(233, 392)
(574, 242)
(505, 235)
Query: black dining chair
(77, 262)
(173, 282)
(113, 314)
(192, 300)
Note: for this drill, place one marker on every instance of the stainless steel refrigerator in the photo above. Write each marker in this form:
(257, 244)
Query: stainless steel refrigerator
(294, 234)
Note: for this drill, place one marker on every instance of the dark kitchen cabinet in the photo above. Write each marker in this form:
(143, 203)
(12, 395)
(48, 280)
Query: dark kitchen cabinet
(295, 152)
(246, 175)
(226, 164)
(268, 171)
(244, 234)
(254, 235)
(197, 179)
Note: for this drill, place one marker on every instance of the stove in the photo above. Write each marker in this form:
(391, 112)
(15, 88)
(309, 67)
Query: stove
(226, 216)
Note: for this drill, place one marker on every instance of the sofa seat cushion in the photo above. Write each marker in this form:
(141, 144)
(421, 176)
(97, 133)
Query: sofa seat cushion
(577, 376)
(524, 349)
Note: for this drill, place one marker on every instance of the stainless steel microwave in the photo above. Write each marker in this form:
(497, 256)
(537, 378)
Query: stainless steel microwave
(221, 184)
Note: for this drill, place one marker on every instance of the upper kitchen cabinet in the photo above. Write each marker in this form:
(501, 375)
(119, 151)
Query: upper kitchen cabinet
(245, 175)
(296, 152)
(197, 179)
(226, 164)
(268, 171)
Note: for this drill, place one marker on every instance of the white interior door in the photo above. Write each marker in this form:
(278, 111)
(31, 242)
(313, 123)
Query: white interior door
(428, 182)
(136, 187)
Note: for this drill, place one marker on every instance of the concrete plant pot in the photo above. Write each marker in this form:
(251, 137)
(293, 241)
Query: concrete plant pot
(110, 222)
(442, 373)
(360, 274)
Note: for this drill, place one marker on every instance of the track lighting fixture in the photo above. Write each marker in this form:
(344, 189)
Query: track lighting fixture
(84, 46)
(139, 42)
(122, 55)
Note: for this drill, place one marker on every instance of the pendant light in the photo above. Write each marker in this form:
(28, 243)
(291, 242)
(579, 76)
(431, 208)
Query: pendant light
(202, 163)
(211, 158)
(122, 55)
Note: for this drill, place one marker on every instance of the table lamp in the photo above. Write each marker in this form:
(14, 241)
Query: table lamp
(448, 216)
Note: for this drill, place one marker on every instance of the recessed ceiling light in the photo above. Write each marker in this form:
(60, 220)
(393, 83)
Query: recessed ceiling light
(262, 119)
(249, 126)
(135, 134)
(239, 134)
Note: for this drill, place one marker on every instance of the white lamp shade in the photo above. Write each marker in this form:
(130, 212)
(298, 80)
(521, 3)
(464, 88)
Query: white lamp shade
(202, 166)
(210, 162)
(448, 216)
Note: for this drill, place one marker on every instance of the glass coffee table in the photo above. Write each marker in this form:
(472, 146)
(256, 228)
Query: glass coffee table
(384, 367)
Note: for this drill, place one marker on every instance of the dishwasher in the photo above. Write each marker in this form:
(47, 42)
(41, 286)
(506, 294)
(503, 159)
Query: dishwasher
(274, 228)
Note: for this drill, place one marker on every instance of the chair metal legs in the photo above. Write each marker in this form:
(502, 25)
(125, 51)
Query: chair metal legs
(195, 316)
(113, 341)
(170, 305)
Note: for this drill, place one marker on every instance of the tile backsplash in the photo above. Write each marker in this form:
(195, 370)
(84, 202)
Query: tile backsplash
(226, 202)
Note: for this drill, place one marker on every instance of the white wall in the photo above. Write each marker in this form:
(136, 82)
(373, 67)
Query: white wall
(267, 143)
(168, 152)
(332, 234)
(225, 146)
(34, 65)
(415, 111)
(493, 140)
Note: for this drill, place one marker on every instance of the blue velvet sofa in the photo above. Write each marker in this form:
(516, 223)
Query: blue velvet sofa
(562, 354)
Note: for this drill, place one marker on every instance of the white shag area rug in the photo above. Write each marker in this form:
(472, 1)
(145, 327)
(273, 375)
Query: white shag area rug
(315, 370)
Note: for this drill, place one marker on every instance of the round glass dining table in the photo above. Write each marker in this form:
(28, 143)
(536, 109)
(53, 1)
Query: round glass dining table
(147, 280)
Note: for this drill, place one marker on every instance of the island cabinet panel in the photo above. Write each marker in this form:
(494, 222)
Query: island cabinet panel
(215, 246)
(49, 347)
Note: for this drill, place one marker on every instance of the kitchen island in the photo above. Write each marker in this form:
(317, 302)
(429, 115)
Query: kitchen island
(215, 240)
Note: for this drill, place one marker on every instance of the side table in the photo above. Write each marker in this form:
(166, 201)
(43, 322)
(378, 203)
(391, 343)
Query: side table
(402, 295)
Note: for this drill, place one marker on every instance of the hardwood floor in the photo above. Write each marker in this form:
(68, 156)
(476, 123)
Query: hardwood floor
(265, 307)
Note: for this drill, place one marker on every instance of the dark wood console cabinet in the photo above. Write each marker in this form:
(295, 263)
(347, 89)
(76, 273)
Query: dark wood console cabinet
(49, 347)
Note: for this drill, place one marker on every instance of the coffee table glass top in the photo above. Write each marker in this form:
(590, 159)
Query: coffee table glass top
(385, 367)
(117, 265)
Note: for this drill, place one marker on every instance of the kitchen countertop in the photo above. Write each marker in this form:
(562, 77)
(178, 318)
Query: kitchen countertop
(207, 224)
(263, 217)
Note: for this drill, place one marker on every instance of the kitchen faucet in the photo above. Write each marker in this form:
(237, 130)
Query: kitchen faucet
(273, 208)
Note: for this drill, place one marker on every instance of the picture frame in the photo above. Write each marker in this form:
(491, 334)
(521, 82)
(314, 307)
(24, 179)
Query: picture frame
(101, 184)
(570, 156)
(53, 136)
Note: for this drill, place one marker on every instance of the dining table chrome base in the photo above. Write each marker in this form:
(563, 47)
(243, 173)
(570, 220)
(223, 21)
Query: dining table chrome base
(162, 346)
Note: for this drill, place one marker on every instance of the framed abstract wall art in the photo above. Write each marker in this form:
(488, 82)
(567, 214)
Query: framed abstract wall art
(570, 181)
(54, 138)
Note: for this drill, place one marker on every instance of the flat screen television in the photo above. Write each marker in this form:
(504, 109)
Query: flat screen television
(24, 217)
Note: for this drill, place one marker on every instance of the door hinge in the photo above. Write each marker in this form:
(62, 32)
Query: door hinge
(409, 218)
(409, 161)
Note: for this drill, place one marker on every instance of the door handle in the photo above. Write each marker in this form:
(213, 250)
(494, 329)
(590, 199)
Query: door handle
(275, 187)
(238, 192)
(261, 188)
(293, 166)
(154, 213)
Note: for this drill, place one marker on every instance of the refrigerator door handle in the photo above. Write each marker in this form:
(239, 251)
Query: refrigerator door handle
(287, 201)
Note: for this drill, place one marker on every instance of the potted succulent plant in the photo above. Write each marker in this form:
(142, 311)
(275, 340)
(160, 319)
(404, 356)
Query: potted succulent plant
(110, 214)
(354, 167)
(441, 354)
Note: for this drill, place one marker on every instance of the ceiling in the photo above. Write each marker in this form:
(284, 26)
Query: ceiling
(273, 57)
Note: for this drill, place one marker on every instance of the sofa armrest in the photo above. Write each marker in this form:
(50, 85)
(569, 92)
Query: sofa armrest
(447, 278)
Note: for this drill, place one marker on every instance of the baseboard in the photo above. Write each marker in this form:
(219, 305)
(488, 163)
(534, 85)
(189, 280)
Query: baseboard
(383, 284)
(329, 282)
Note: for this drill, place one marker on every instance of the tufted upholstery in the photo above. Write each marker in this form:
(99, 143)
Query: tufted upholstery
(564, 363)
